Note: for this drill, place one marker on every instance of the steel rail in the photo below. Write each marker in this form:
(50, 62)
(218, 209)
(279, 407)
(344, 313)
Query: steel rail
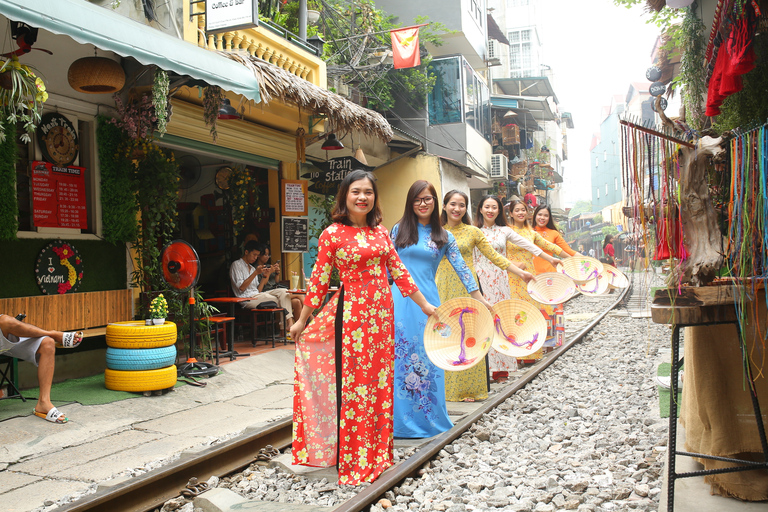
(151, 490)
(411, 465)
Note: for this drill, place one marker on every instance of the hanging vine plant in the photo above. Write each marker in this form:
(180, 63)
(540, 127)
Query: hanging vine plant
(692, 77)
(213, 96)
(118, 198)
(8, 205)
(157, 179)
(242, 194)
(160, 87)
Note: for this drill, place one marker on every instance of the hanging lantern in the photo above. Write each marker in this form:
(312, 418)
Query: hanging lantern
(96, 75)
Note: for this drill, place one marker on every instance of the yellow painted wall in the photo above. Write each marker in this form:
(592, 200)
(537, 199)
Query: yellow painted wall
(394, 180)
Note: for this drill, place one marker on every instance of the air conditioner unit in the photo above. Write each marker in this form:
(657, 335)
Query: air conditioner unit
(499, 167)
(494, 49)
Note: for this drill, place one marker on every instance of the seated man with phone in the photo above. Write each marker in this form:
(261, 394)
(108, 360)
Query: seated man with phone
(249, 281)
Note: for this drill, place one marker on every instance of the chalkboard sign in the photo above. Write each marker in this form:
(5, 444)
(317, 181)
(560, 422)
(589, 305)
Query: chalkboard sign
(295, 234)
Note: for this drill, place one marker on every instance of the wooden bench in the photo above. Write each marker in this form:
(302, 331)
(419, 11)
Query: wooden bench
(89, 312)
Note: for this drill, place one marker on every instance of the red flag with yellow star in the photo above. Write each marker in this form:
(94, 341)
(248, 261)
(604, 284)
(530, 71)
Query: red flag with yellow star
(405, 47)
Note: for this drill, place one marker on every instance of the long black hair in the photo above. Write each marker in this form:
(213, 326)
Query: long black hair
(340, 212)
(608, 239)
(408, 225)
(499, 220)
(550, 222)
(466, 219)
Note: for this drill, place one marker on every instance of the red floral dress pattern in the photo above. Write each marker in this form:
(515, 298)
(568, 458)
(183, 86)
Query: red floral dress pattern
(364, 422)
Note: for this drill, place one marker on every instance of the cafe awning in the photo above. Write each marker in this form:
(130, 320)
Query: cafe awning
(87, 23)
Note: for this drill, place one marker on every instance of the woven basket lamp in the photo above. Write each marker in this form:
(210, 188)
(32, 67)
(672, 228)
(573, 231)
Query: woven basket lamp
(580, 268)
(461, 335)
(519, 328)
(551, 288)
(96, 75)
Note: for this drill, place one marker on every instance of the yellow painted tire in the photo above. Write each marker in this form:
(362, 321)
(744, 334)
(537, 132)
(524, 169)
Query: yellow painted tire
(134, 334)
(139, 381)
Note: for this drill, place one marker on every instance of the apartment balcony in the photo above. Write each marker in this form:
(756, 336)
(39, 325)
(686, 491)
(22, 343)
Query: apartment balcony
(268, 42)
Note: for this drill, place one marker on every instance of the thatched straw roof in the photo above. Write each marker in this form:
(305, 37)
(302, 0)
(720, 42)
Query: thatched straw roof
(276, 82)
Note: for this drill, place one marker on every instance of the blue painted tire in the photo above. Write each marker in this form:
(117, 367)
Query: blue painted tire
(141, 358)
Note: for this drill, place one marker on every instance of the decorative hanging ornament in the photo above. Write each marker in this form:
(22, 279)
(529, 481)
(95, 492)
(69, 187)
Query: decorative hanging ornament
(653, 73)
(662, 103)
(657, 88)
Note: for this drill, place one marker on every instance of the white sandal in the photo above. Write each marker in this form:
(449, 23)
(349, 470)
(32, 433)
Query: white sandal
(70, 339)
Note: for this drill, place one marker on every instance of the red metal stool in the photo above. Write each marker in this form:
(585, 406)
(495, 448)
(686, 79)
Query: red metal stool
(272, 312)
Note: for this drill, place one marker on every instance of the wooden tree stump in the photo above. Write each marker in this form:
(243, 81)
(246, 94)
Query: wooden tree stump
(700, 228)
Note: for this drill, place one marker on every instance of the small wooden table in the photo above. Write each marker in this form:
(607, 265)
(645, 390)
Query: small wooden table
(231, 301)
(697, 306)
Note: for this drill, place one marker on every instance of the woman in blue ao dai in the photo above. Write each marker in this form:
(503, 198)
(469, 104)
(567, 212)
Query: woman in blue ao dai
(421, 242)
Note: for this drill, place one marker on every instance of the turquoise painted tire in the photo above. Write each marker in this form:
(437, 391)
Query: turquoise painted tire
(141, 358)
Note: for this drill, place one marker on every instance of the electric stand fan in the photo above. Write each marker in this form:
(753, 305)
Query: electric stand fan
(181, 270)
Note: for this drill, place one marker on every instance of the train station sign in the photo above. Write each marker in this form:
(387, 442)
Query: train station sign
(328, 177)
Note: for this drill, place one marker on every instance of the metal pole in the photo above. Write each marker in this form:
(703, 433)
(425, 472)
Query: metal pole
(303, 20)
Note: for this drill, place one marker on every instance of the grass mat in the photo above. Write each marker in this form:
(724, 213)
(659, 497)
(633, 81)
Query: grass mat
(664, 370)
(86, 391)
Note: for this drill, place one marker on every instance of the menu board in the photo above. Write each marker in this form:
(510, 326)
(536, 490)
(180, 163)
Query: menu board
(295, 234)
(58, 196)
(294, 197)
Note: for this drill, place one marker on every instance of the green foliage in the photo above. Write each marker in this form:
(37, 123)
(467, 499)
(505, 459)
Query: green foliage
(582, 206)
(157, 180)
(324, 205)
(610, 230)
(8, 205)
(597, 219)
(665, 19)
(692, 75)
(242, 193)
(750, 105)
(342, 23)
(118, 201)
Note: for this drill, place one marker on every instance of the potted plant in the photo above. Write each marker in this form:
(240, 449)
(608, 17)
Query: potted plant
(158, 310)
(22, 94)
(313, 11)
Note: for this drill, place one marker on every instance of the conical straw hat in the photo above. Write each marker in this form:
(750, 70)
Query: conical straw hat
(580, 268)
(551, 288)
(595, 287)
(616, 278)
(463, 324)
(519, 328)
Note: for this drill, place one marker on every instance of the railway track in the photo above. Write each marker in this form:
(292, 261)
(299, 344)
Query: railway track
(150, 491)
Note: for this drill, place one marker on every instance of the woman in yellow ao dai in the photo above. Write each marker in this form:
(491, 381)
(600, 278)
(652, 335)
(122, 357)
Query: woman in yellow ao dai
(471, 384)
(518, 288)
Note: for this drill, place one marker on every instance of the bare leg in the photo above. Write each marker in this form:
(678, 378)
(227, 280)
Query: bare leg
(46, 355)
(10, 325)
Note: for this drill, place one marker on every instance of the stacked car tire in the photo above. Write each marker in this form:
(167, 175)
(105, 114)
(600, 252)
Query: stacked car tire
(140, 357)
